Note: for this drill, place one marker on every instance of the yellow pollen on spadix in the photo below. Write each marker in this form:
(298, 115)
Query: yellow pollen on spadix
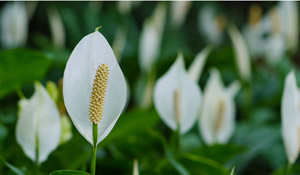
(98, 93)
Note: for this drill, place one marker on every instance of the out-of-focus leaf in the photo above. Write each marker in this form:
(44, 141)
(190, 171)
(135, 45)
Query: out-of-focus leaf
(132, 122)
(14, 169)
(257, 138)
(292, 170)
(177, 165)
(20, 66)
(202, 165)
(219, 153)
(68, 172)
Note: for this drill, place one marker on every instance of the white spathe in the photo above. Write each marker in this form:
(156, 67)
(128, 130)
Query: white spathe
(241, 53)
(195, 69)
(290, 117)
(217, 118)
(14, 24)
(209, 24)
(79, 74)
(289, 23)
(56, 27)
(176, 79)
(151, 38)
(38, 123)
(179, 11)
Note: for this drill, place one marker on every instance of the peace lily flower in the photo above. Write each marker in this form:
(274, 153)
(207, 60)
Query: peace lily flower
(39, 126)
(66, 126)
(289, 23)
(94, 89)
(56, 27)
(241, 53)
(195, 69)
(274, 48)
(217, 118)
(211, 24)
(290, 117)
(255, 30)
(151, 37)
(179, 11)
(177, 98)
(14, 24)
(135, 167)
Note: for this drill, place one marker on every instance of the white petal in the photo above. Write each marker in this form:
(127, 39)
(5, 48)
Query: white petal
(39, 118)
(207, 25)
(26, 127)
(120, 42)
(290, 23)
(151, 37)
(290, 116)
(14, 24)
(211, 97)
(227, 122)
(79, 74)
(241, 53)
(217, 120)
(164, 97)
(179, 10)
(124, 7)
(49, 124)
(56, 27)
(135, 167)
(196, 67)
(254, 38)
(234, 88)
(275, 48)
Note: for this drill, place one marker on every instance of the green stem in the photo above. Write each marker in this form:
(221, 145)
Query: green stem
(287, 169)
(247, 100)
(93, 161)
(176, 141)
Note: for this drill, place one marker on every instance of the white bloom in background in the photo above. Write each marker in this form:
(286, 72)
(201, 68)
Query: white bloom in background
(274, 48)
(124, 7)
(94, 87)
(119, 42)
(14, 24)
(195, 69)
(241, 53)
(39, 125)
(179, 11)
(217, 118)
(290, 117)
(151, 38)
(177, 98)
(289, 23)
(211, 24)
(66, 129)
(135, 167)
(56, 27)
(254, 31)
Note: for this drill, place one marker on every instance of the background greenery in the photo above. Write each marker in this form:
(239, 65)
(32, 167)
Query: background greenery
(255, 148)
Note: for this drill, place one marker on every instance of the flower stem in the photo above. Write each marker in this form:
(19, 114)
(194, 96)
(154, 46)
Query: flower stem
(93, 161)
(287, 169)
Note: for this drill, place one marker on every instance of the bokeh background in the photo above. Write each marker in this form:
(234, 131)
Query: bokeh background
(43, 39)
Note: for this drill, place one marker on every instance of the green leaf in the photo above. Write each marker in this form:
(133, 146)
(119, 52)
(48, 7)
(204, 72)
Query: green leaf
(130, 123)
(14, 169)
(20, 66)
(204, 165)
(68, 172)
